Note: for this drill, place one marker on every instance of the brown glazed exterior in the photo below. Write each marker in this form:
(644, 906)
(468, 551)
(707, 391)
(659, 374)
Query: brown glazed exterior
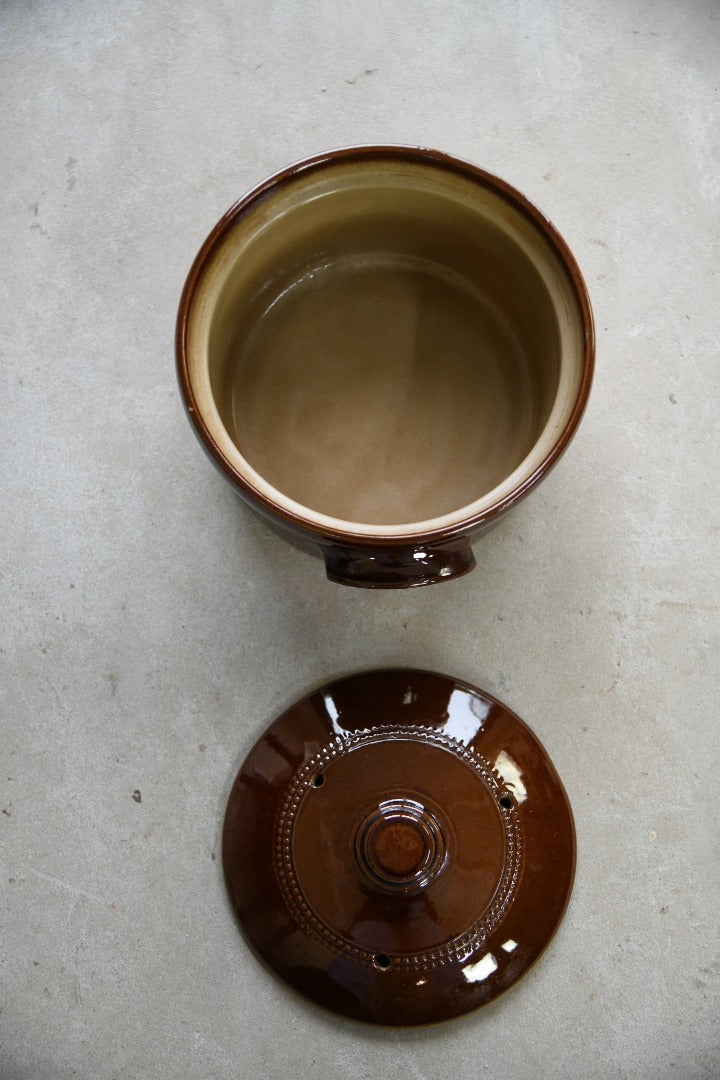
(392, 559)
(398, 847)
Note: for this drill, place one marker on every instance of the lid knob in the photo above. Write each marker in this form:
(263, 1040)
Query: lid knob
(400, 845)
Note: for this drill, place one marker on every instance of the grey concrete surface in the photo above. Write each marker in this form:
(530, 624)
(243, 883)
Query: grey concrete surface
(152, 627)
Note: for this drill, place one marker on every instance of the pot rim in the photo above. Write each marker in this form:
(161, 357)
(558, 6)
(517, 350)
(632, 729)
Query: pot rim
(385, 152)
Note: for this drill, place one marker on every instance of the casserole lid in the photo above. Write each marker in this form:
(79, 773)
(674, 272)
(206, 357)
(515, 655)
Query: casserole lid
(398, 847)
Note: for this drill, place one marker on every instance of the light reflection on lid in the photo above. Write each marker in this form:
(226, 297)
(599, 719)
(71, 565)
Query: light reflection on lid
(510, 772)
(334, 715)
(481, 969)
(466, 716)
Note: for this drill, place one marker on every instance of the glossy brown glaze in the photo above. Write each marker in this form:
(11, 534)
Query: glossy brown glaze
(398, 565)
(398, 847)
(384, 348)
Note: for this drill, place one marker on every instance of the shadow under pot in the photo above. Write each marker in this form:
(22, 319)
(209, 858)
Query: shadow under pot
(384, 349)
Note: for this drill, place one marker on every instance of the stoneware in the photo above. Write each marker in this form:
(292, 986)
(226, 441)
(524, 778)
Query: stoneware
(384, 348)
(398, 847)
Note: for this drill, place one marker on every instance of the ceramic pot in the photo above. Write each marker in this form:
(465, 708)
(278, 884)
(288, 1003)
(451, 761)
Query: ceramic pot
(384, 348)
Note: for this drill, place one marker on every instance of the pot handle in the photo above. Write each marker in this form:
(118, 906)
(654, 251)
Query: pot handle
(398, 567)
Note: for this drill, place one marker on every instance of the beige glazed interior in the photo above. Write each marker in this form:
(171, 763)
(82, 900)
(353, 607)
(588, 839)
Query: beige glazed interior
(386, 344)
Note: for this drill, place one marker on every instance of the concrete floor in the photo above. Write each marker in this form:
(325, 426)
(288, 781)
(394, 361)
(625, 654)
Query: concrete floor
(152, 627)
